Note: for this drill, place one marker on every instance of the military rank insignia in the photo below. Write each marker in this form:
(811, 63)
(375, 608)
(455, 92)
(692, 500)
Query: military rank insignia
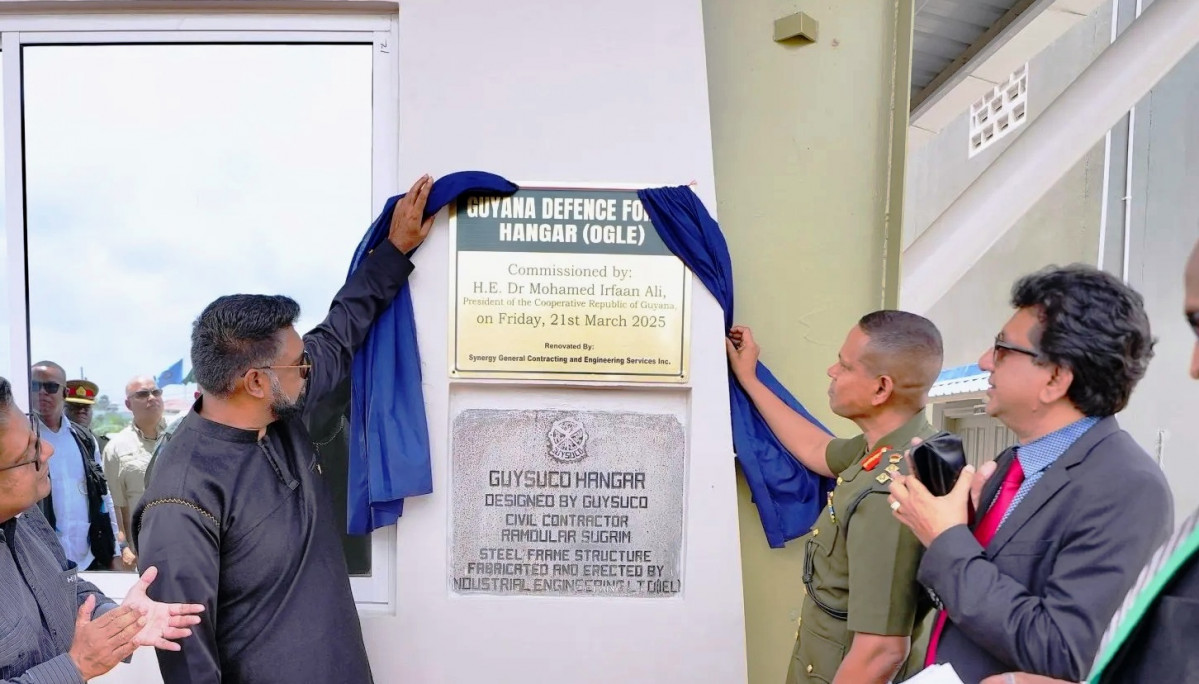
(874, 458)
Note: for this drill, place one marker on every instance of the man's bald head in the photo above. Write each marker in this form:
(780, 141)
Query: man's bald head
(51, 370)
(143, 398)
(139, 382)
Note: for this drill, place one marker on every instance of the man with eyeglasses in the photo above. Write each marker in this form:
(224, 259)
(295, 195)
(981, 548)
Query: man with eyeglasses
(238, 513)
(1072, 512)
(1151, 637)
(79, 506)
(54, 625)
(128, 454)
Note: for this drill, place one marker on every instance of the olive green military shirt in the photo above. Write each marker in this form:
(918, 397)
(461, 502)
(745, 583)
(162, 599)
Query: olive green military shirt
(865, 572)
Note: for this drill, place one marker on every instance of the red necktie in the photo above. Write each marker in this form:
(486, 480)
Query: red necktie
(983, 533)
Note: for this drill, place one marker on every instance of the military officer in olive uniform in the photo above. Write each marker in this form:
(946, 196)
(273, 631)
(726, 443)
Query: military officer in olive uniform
(862, 603)
(81, 397)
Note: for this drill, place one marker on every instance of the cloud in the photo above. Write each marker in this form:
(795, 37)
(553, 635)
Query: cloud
(160, 177)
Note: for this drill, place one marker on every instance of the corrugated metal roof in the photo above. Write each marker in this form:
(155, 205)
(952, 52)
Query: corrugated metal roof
(946, 29)
(960, 380)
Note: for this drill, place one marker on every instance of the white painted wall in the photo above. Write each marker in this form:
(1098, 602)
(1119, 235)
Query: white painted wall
(577, 92)
(574, 92)
(1062, 228)
(1165, 225)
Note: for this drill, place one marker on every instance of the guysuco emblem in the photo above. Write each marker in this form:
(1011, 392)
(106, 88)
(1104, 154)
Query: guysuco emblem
(568, 441)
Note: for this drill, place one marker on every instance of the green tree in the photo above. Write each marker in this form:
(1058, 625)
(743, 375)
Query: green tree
(104, 405)
(109, 423)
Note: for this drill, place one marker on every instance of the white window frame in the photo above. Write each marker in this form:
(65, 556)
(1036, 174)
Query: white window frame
(374, 594)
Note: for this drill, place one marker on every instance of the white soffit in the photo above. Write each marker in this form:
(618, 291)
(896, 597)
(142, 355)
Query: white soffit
(1047, 27)
(947, 105)
(1031, 33)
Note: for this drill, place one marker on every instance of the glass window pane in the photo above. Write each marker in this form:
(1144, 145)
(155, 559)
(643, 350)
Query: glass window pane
(159, 177)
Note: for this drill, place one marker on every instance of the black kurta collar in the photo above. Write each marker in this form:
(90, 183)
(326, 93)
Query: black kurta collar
(225, 433)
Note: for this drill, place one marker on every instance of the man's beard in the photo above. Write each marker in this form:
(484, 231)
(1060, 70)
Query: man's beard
(281, 406)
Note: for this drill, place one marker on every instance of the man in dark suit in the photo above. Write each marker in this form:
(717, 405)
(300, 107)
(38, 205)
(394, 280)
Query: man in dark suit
(1072, 512)
(1151, 637)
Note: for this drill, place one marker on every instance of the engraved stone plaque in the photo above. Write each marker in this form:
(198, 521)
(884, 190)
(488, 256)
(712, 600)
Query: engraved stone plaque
(567, 503)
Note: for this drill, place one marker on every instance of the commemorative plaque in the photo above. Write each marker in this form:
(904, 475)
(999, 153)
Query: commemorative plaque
(565, 284)
(567, 503)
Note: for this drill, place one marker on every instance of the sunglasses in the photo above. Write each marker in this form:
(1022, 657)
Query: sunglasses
(1193, 321)
(146, 394)
(304, 366)
(50, 387)
(36, 461)
(1001, 348)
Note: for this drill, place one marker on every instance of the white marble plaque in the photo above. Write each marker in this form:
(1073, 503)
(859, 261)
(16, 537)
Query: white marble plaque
(567, 503)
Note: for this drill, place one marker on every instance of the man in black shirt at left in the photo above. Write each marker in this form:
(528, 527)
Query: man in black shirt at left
(237, 515)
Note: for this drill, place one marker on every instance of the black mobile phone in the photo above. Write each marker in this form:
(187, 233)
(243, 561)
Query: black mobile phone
(938, 461)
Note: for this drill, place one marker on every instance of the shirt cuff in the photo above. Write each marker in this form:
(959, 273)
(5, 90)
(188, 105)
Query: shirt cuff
(101, 609)
(388, 261)
(58, 670)
(942, 556)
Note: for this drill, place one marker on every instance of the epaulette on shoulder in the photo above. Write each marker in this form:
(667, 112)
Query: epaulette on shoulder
(880, 485)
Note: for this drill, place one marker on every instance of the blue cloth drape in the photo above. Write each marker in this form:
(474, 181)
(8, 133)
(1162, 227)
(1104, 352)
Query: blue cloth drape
(389, 435)
(787, 495)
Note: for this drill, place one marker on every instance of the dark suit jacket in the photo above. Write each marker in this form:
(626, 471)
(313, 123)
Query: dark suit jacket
(1039, 597)
(1162, 648)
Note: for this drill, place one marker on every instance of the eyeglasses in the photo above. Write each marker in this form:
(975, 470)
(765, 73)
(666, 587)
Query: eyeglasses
(146, 394)
(1000, 349)
(36, 461)
(304, 366)
(50, 387)
(1193, 321)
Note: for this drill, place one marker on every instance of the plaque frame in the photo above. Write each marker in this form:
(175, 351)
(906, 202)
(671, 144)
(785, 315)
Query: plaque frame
(543, 375)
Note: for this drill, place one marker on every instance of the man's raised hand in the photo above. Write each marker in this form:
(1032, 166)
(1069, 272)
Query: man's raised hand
(409, 227)
(743, 353)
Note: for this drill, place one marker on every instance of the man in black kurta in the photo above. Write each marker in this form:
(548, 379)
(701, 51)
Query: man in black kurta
(238, 516)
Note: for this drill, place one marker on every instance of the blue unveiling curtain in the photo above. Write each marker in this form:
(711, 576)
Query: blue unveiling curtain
(390, 460)
(788, 496)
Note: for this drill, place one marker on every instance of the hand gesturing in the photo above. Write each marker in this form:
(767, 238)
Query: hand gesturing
(163, 623)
